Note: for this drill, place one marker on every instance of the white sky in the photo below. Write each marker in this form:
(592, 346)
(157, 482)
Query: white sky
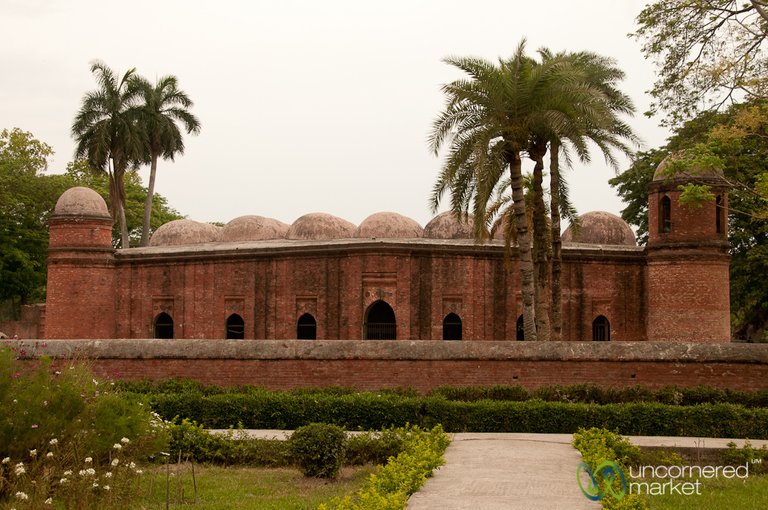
(305, 105)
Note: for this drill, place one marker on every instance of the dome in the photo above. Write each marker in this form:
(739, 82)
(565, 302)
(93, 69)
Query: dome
(254, 228)
(663, 173)
(178, 232)
(601, 227)
(320, 226)
(389, 225)
(446, 226)
(81, 201)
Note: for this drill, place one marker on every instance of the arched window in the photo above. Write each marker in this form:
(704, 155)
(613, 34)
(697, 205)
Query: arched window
(601, 329)
(520, 329)
(452, 327)
(380, 322)
(235, 327)
(719, 214)
(163, 326)
(665, 214)
(306, 328)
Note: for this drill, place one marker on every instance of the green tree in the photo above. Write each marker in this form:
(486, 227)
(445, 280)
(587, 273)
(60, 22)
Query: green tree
(491, 119)
(27, 198)
(740, 148)
(80, 174)
(164, 105)
(108, 135)
(708, 53)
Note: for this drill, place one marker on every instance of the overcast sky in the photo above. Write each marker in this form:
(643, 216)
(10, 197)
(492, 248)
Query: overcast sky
(305, 105)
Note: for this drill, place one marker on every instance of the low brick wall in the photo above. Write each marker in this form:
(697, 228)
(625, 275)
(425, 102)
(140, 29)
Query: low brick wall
(423, 365)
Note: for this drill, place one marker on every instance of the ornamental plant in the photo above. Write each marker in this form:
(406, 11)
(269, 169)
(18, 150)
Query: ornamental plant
(68, 439)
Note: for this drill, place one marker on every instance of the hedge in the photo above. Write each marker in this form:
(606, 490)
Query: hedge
(368, 411)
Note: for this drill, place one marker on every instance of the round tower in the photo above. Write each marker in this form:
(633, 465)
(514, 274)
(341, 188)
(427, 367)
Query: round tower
(80, 297)
(687, 254)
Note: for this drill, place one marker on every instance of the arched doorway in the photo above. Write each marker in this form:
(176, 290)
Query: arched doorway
(306, 327)
(235, 327)
(380, 322)
(163, 326)
(601, 329)
(452, 327)
(520, 329)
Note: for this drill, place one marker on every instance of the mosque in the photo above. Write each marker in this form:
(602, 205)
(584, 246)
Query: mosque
(388, 278)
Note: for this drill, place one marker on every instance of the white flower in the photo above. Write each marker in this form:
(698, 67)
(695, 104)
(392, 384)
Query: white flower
(115, 462)
(125, 440)
(90, 471)
(95, 484)
(49, 501)
(108, 474)
(19, 470)
(139, 471)
(33, 453)
(117, 446)
(88, 460)
(132, 465)
(22, 496)
(49, 454)
(6, 460)
(68, 472)
(81, 472)
(95, 382)
(63, 481)
(106, 487)
(53, 442)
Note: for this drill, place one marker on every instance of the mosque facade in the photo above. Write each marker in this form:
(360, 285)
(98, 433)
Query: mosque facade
(386, 279)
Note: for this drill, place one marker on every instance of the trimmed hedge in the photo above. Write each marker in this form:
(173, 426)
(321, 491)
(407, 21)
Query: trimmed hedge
(578, 393)
(367, 411)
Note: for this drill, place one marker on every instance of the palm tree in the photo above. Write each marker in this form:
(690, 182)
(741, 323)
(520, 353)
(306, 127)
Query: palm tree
(107, 134)
(489, 120)
(608, 134)
(164, 105)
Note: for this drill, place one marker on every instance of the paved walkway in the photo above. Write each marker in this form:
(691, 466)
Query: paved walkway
(505, 471)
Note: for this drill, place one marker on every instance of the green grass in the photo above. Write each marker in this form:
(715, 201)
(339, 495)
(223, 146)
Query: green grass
(242, 488)
(733, 494)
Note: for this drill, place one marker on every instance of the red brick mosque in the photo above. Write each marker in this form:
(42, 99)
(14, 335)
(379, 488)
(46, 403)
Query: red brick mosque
(387, 278)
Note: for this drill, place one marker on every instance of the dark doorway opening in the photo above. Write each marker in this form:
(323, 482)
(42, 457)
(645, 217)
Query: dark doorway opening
(601, 329)
(235, 327)
(163, 326)
(306, 328)
(380, 322)
(452, 327)
(520, 329)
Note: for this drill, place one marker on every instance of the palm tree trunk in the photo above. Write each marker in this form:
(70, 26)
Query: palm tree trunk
(117, 194)
(523, 245)
(148, 203)
(557, 256)
(540, 248)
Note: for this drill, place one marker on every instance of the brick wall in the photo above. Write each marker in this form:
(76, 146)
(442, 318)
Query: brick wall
(422, 365)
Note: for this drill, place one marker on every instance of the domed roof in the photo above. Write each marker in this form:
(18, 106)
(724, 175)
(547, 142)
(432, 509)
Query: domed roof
(320, 226)
(254, 228)
(446, 226)
(81, 201)
(389, 225)
(663, 172)
(178, 232)
(600, 227)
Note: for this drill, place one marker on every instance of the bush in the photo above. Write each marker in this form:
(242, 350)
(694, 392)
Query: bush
(318, 449)
(374, 447)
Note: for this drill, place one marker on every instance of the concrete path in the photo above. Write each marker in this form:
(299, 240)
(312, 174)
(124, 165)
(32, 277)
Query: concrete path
(505, 471)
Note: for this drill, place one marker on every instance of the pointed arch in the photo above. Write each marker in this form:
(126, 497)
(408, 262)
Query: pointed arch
(235, 327)
(306, 327)
(601, 329)
(380, 323)
(452, 327)
(163, 326)
(665, 214)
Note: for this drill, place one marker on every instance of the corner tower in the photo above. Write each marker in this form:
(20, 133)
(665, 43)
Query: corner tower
(80, 301)
(687, 255)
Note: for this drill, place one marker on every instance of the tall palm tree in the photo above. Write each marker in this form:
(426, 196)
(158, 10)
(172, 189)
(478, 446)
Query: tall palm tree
(164, 105)
(107, 134)
(489, 120)
(608, 134)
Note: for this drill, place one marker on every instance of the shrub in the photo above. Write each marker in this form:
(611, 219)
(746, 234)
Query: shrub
(318, 449)
(757, 458)
(374, 447)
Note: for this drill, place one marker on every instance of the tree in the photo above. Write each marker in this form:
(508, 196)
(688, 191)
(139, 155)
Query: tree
(490, 120)
(738, 144)
(108, 135)
(709, 53)
(27, 198)
(79, 174)
(164, 105)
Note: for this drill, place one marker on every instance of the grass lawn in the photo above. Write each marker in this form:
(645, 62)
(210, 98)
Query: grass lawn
(248, 488)
(734, 494)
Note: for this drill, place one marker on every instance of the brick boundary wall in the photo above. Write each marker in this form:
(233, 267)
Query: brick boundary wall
(423, 365)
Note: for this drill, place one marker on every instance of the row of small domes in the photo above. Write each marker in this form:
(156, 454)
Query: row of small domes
(594, 227)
